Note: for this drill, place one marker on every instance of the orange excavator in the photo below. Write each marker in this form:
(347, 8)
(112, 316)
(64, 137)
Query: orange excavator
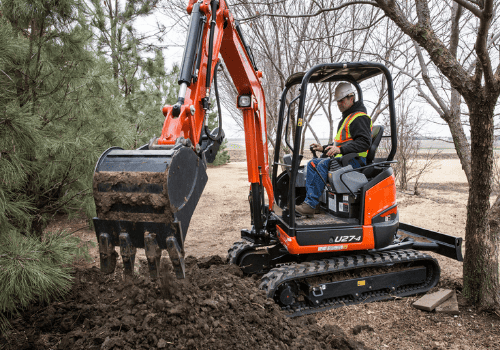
(355, 250)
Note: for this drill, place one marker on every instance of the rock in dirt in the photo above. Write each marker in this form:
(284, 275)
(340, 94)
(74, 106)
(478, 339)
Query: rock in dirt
(450, 306)
(429, 301)
(359, 328)
(215, 307)
(162, 344)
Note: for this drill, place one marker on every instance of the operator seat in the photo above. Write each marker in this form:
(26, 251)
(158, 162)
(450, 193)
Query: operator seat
(353, 181)
(377, 132)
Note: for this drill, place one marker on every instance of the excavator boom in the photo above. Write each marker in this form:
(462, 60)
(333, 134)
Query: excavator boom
(145, 198)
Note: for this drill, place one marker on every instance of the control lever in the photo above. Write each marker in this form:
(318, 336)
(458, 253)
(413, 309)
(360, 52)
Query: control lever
(328, 187)
(313, 152)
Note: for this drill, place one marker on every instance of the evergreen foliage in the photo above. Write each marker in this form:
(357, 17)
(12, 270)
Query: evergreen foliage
(144, 107)
(34, 270)
(58, 111)
(138, 68)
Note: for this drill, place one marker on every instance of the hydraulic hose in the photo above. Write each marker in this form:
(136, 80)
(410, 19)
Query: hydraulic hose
(188, 59)
(213, 23)
(219, 132)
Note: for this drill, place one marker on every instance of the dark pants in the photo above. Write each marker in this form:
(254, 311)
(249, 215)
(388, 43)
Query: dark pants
(314, 184)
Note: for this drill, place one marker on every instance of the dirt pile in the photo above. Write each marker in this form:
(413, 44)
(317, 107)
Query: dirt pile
(215, 307)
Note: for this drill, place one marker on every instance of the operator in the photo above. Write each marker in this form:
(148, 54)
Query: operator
(353, 136)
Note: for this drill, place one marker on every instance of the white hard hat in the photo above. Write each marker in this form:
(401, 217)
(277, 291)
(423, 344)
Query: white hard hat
(342, 90)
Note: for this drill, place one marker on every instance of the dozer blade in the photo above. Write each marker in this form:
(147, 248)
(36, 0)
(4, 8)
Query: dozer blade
(145, 199)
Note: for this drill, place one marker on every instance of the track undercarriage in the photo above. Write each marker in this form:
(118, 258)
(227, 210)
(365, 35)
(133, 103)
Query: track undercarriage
(321, 285)
(303, 285)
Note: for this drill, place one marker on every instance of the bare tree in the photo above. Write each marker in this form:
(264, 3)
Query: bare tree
(477, 81)
(412, 163)
(281, 48)
(466, 56)
(480, 89)
(329, 38)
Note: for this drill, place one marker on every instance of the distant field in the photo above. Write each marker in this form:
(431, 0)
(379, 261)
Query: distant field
(426, 144)
(445, 148)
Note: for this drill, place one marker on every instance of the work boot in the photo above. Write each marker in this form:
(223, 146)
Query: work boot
(318, 210)
(305, 210)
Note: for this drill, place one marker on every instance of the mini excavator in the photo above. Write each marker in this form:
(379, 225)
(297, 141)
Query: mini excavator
(354, 251)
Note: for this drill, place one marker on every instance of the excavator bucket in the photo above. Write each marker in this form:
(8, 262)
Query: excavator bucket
(145, 199)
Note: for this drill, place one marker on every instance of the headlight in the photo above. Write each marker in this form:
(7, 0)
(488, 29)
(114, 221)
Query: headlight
(244, 101)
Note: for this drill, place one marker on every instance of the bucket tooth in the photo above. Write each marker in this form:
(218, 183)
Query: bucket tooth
(153, 254)
(107, 253)
(176, 257)
(127, 251)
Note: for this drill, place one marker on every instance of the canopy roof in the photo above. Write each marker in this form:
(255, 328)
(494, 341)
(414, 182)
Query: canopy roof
(353, 72)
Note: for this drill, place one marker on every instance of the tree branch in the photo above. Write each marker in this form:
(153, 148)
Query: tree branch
(423, 13)
(455, 31)
(309, 15)
(475, 10)
(369, 26)
(428, 82)
(438, 52)
(482, 45)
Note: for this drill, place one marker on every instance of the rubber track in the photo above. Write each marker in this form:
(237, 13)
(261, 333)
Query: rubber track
(235, 251)
(274, 278)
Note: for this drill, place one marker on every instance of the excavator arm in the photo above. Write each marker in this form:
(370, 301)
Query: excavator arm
(145, 198)
(208, 36)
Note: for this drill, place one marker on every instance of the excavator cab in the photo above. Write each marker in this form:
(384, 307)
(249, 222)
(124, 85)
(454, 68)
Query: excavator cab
(353, 250)
(347, 214)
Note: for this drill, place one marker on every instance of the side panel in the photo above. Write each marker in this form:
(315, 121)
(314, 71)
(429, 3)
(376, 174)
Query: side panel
(385, 226)
(293, 246)
(330, 235)
(379, 198)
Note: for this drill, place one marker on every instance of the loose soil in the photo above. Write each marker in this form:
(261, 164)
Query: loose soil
(217, 307)
(140, 197)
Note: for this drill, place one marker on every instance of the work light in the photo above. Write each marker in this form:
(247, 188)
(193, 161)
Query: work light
(244, 101)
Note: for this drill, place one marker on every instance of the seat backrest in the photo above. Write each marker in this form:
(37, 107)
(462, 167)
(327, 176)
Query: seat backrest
(377, 132)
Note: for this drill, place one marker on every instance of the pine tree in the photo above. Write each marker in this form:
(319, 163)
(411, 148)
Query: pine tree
(144, 106)
(58, 112)
(118, 39)
(138, 66)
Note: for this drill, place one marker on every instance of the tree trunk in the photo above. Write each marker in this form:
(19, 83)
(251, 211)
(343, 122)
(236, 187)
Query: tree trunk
(480, 268)
(457, 131)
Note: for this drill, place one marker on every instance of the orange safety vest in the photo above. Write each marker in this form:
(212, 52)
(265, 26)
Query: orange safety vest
(344, 135)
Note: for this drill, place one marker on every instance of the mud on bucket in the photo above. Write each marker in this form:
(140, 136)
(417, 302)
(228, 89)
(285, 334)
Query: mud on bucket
(145, 199)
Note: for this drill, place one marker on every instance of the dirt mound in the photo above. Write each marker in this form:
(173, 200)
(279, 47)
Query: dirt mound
(215, 307)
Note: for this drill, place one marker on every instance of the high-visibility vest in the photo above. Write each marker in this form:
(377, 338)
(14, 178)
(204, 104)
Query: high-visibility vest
(344, 135)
